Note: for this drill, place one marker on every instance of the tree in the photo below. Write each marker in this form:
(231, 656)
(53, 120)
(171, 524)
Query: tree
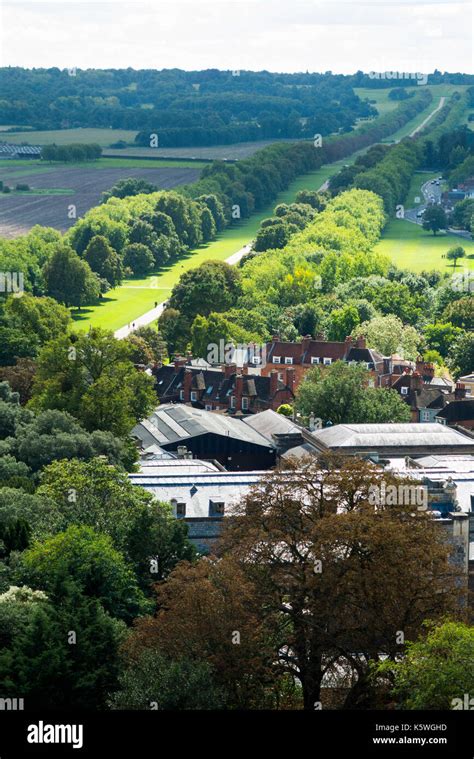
(95, 494)
(38, 660)
(441, 335)
(461, 355)
(436, 671)
(152, 680)
(41, 318)
(139, 259)
(455, 253)
(92, 377)
(208, 612)
(340, 394)
(336, 572)
(342, 322)
(388, 335)
(434, 219)
(70, 280)
(461, 313)
(90, 561)
(212, 286)
(130, 186)
(103, 260)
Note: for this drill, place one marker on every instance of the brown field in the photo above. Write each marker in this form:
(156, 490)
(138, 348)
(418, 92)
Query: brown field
(18, 213)
(238, 150)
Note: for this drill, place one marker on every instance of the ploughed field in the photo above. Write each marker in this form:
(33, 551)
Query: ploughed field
(55, 189)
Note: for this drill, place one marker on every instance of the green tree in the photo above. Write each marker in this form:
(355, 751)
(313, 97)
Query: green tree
(434, 219)
(440, 336)
(461, 355)
(388, 335)
(454, 253)
(139, 259)
(340, 394)
(92, 377)
(103, 260)
(90, 561)
(154, 680)
(70, 280)
(435, 672)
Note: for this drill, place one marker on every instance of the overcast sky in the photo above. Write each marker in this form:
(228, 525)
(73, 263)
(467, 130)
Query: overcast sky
(277, 35)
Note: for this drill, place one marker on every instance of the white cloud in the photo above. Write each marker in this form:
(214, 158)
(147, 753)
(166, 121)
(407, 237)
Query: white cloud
(278, 35)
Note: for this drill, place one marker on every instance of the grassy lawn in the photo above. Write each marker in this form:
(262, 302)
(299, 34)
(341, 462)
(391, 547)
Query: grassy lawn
(410, 247)
(103, 137)
(382, 102)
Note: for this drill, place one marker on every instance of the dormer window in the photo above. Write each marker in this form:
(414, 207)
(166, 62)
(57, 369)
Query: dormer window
(194, 395)
(245, 404)
(232, 401)
(404, 390)
(216, 508)
(277, 359)
(315, 359)
(180, 510)
(327, 361)
(181, 395)
(288, 360)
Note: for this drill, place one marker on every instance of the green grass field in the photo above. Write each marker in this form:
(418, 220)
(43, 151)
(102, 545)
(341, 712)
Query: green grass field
(410, 247)
(103, 137)
(382, 102)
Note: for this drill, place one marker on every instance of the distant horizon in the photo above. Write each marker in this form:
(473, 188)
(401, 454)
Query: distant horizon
(343, 36)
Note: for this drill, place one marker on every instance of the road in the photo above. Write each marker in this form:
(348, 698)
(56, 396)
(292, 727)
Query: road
(429, 117)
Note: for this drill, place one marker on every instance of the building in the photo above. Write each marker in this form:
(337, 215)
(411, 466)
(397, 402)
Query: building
(387, 440)
(206, 435)
(199, 493)
(311, 352)
(223, 389)
(19, 151)
(459, 413)
(468, 382)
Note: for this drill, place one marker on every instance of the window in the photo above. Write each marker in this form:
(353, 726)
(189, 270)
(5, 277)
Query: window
(194, 395)
(425, 416)
(245, 404)
(208, 406)
(404, 390)
(216, 508)
(288, 360)
(315, 359)
(256, 360)
(277, 359)
(180, 509)
(232, 401)
(181, 395)
(327, 361)
(371, 383)
(280, 376)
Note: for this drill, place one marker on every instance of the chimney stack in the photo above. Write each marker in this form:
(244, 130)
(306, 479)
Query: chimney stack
(187, 382)
(290, 378)
(179, 362)
(229, 370)
(460, 391)
(273, 382)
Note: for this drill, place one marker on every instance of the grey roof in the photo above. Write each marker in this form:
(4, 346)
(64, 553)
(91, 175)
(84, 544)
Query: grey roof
(171, 423)
(390, 435)
(269, 423)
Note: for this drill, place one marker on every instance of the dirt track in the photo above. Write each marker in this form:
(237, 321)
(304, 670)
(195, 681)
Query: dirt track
(18, 213)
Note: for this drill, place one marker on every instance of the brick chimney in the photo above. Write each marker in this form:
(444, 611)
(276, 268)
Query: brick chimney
(360, 342)
(238, 391)
(273, 382)
(426, 370)
(416, 381)
(460, 391)
(290, 377)
(305, 343)
(229, 369)
(178, 363)
(187, 382)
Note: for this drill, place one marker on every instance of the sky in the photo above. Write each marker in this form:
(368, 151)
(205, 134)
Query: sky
(277, 35)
